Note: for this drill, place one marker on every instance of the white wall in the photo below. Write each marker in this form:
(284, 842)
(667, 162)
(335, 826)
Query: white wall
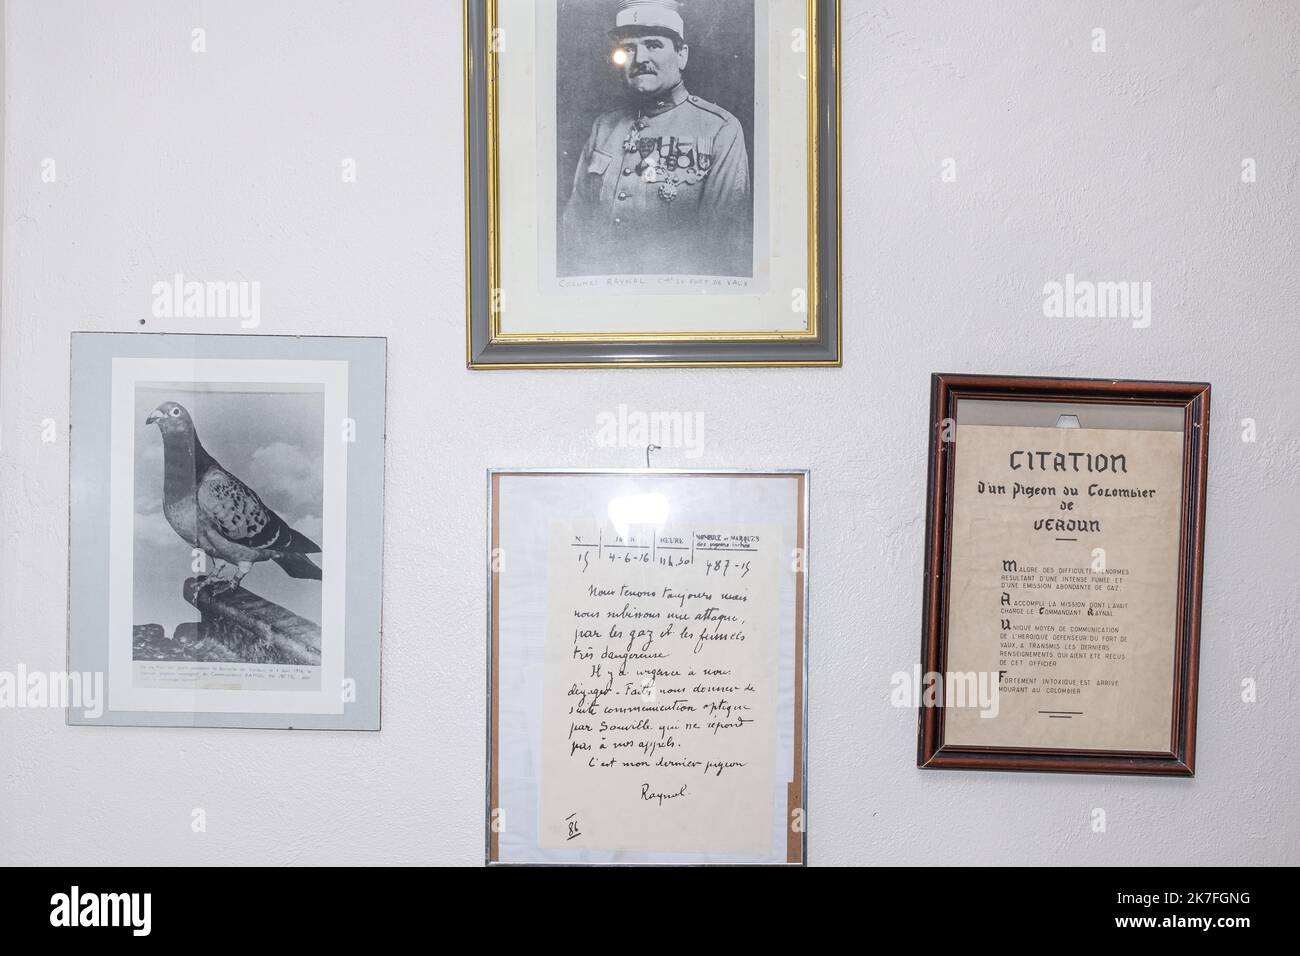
(1122, 165)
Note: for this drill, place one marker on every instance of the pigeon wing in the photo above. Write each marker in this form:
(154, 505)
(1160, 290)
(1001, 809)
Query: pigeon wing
(239, 515)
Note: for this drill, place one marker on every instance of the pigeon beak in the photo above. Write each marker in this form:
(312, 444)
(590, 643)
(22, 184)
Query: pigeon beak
(153, 417)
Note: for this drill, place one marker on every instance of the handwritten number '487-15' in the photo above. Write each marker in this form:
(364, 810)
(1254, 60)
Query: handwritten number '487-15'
(712, 566)
(724, 565)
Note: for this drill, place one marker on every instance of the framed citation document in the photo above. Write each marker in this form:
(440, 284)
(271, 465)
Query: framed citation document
(647, 635)
(652, 182)
(1063, 559)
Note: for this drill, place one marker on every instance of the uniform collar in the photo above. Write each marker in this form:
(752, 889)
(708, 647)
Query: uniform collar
(665, 102)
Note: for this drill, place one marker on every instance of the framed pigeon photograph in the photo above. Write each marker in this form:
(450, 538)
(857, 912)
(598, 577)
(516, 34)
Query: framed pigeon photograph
(226, 529)
(652, 182)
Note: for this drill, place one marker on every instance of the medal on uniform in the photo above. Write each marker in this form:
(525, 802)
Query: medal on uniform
(646, 146)
(703, 161)
(631, 144)
(667, 191)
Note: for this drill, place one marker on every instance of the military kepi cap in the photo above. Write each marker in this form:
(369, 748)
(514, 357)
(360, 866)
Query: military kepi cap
(640, 17)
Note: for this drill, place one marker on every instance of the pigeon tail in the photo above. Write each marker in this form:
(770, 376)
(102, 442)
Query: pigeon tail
(302, 544)
(298, 566)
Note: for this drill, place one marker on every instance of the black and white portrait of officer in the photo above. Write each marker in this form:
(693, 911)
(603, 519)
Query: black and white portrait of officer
(663, 184)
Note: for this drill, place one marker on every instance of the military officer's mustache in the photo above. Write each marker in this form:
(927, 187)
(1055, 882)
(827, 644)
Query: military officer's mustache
(643, 69)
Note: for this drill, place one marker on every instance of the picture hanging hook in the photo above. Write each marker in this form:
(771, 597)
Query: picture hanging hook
(648, 450)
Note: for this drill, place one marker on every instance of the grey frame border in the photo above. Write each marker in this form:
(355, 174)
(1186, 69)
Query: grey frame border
(825, 349)
(88, 517)
(491, 728)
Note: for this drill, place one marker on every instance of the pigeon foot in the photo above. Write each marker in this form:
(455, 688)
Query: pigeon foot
(213, 584)
(221, 585)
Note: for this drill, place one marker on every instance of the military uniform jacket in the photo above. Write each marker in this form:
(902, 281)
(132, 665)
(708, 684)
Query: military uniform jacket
(661, 190)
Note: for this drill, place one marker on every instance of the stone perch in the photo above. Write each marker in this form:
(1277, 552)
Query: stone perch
(253, 628)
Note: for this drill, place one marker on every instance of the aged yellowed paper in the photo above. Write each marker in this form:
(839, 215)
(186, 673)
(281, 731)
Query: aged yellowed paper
(660, 688)
(1063, 586)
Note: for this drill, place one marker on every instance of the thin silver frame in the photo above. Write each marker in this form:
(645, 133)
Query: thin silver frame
(490, 737)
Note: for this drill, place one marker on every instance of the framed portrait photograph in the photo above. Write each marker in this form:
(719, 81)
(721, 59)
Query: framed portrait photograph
(226, 519)
(652, 182)
(647, 661)
(1064, 544)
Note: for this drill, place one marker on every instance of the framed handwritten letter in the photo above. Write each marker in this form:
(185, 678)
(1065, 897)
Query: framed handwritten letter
(1063, 574)
(647, 640)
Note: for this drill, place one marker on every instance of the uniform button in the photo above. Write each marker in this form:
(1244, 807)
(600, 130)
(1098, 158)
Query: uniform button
(617, 221)
(622, 195)
(627, 170)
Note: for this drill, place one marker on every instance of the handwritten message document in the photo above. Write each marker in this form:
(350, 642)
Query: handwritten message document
(1063, 583)
(660, 688)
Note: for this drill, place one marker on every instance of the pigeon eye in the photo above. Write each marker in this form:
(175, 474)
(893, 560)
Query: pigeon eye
(175, 413)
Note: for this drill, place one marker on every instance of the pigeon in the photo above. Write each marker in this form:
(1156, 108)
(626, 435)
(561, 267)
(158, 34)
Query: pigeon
(213, 510)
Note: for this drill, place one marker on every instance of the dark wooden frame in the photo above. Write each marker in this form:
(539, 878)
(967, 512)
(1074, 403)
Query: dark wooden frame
(1194, 399)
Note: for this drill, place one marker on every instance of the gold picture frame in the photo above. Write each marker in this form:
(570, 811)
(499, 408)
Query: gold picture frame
(491, 342)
